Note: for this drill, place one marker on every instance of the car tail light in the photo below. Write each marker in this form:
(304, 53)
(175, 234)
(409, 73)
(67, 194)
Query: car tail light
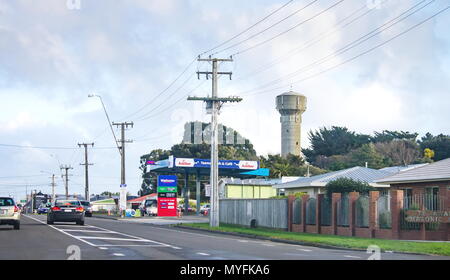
(16, 209)
(80, 209)
(56, 208)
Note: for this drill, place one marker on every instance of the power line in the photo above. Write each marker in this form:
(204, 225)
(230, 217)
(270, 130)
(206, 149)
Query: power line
(290, 29)
(371, 49)
(247, 29)
(351, 45)
(314, 41)
(50, 147)
(270, 27)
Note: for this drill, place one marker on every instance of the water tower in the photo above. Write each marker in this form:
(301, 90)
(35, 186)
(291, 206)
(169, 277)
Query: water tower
(291, 106)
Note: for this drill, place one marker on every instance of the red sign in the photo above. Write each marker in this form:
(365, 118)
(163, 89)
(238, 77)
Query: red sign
(167, 206)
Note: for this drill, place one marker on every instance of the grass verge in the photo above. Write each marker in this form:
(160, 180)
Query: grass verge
(431, 248)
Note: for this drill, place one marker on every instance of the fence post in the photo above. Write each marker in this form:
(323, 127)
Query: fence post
(396, 206)
(352, 197)
(334, 199)
(373, 212)
(319, 212)
(291, 199)
(446, 193)
(304, 202)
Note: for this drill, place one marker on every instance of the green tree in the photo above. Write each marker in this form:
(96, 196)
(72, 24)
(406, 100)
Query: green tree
(367, 153)
(346, 185)
(388, 136)
(333, 141)
(440, 144)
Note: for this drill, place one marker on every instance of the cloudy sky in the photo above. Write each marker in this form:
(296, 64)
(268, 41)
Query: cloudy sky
(338, 53)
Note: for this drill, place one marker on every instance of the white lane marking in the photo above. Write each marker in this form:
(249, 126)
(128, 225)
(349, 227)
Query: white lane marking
(62, 231)
(131, 245)
(81, 230)
(203, 254)
(110, 231)
(103, 248)
(304, 250)
(243, 241)
(268, 245)
(354, 257)
(176, 248)
(118, 254)
(114, 238)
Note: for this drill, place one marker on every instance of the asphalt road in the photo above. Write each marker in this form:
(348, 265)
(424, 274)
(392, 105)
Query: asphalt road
(109, 239)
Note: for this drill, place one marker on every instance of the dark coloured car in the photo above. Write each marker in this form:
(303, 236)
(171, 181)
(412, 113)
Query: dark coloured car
(66, 211)
(43, 209)
(87, 208)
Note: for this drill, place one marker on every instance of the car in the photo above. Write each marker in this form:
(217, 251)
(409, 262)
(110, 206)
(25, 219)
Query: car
(63, 210)
(150, 207)
(205, 208)
(43, 209)
(9, 212)
(87, 208)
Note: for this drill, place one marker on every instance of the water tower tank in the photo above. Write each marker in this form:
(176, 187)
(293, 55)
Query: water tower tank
(291, 106)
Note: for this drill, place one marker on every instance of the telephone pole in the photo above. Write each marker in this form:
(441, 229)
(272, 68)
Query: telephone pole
(86, 168)
(66, 168)
(123, 185)
(53, 187)
(213, 104)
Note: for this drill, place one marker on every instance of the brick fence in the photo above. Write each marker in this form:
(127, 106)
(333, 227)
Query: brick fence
(372, 230)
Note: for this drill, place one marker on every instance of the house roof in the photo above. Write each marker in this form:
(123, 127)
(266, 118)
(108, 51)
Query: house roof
(396, 169)
(357, 173)
(142, 198)
(437, 171)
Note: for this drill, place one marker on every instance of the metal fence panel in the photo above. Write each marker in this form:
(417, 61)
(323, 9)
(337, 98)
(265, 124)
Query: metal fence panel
(425, 201)
(342, 211)
(297, 211)
(311, 211)
(384, 212)
(325, 212)
(270, 213)
(362, 211)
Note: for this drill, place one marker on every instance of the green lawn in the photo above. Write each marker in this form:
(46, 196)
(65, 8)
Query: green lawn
(434, 248)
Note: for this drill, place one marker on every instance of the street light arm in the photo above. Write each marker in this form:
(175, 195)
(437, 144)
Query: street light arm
(109, 121)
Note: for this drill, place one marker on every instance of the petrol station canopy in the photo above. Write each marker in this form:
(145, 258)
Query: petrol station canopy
(227, 168)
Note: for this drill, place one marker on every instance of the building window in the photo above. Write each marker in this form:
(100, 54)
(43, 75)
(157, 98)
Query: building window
(431, 198)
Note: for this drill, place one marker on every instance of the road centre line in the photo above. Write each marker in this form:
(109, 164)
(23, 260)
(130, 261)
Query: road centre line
(354, 257)
(109, 231)
(80, 230)
(62, 231)
(113, 238)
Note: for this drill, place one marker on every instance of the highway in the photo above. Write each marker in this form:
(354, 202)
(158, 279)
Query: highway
(102, 239)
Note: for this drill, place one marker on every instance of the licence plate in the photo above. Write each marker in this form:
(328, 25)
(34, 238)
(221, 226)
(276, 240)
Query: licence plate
(67, 210)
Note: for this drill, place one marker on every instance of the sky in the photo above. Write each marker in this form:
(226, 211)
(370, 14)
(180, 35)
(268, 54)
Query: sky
(346, 56)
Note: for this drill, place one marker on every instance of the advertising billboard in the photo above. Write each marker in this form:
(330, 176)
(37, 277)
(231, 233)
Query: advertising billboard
(167, 196)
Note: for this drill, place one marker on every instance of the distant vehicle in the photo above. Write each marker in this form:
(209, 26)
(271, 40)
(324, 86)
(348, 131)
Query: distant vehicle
(205, 207)
(87, 208)
(150, 207)
(9, 212)
(190, 209)
(66, 211)
(43, 209)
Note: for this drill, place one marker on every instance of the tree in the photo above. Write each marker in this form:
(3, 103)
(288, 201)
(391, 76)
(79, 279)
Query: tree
(367, 154)
(346, 185)
(440, 144)
(388, 136)
(399, 152)
(333, 141)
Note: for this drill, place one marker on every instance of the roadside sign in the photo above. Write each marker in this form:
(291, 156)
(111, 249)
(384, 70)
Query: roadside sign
(167, 196)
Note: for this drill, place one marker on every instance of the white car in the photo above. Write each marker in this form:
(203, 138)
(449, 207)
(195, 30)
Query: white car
(9, 212)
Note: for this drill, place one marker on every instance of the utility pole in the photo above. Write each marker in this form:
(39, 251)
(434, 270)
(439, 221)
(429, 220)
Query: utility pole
(66, 168)
(123, 185)
(53, 187)
(214, 103)
(86, 168)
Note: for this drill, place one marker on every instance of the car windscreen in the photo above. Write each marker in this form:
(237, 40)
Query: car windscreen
(150, 203)
(85, 203)
(6, 202)
(67, 203)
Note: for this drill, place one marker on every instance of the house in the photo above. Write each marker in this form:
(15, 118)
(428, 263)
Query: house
(432, 179)
(315, 185)
(251, 188)
(136, 202)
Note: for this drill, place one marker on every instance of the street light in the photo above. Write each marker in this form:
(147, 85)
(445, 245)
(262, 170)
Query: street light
(109, 121)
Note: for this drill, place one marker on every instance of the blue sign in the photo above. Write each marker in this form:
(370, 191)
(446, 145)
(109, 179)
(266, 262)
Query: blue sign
(167, 181)
(206, 163)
